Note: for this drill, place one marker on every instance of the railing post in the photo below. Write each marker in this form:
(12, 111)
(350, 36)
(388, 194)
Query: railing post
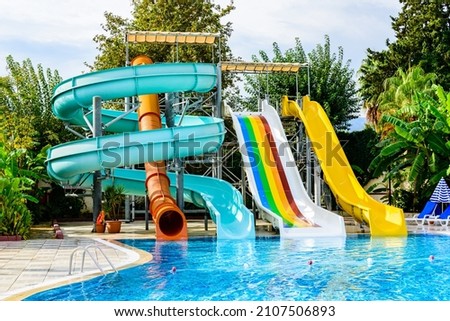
(97, 183)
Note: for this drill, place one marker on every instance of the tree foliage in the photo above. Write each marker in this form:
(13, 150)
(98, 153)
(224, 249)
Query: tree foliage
(16, 186)
(150, 15)
(330, 80)
(25, 104)
(398, 95)
(422, 31)
(400, 89)
(416, 153)
(27, 128)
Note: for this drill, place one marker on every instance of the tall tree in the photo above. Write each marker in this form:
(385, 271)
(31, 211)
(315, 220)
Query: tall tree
(159, 15)
(25, 104)
(27, 128)
(373, 72)
(422, 32)
(399, 94)
(401, 88)
(330, 80)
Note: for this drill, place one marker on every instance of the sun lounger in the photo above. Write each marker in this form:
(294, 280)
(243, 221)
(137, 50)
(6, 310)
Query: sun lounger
(442, 219)
(431, 210)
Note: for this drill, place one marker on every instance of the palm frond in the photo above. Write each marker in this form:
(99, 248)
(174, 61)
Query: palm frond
(393, 149)
(417, 167)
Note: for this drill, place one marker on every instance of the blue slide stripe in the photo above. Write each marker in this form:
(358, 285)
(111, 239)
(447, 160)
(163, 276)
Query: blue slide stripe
(253, 159)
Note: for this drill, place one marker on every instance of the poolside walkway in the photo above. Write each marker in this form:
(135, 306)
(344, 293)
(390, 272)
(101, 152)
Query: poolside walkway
(38, 264)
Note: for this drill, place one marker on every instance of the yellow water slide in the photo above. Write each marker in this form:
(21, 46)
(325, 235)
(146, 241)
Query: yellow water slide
(383, 220)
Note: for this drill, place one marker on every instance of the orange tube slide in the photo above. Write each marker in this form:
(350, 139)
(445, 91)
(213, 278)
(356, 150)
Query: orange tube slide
(170, 222)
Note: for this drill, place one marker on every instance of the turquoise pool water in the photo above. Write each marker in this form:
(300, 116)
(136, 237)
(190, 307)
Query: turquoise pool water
(268, 269)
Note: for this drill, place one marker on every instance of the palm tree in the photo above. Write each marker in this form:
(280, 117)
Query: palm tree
(400, 90)
(372, 74)
(415, 149)
(395, 96)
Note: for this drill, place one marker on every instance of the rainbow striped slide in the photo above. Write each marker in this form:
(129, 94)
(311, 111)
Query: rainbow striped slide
(274, 179)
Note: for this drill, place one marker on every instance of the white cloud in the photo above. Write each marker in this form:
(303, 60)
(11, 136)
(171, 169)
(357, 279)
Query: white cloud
(59, 34)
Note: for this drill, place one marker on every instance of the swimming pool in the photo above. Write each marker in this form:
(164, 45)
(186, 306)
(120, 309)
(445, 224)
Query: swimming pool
(268, 269)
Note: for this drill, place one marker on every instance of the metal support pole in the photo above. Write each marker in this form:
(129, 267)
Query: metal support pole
(243, 185)
(309, 81)
(127, 51)
(133, 208)
(127, 197)
(299, 140)
(127, 108)
(308, 167)
(179, 167)
(97, 183)
(317, 183)
(218, 110)
(146, 215)
(308, 152)
(217, 165)
(133, 197)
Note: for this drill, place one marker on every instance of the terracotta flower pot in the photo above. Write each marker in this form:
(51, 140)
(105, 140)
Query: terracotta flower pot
(113, 226)
(100, 228)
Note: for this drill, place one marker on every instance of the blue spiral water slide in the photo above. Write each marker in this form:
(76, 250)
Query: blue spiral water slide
(73, 163)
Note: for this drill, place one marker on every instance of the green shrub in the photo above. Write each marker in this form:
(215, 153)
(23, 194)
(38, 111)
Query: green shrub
(15, 218)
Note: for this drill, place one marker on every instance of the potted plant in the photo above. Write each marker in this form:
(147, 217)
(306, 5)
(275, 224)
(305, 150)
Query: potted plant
(114, 198)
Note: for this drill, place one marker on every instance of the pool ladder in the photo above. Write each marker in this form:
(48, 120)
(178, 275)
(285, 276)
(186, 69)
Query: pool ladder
(86, 250)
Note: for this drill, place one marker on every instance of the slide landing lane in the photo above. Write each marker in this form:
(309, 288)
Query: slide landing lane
(268, 171)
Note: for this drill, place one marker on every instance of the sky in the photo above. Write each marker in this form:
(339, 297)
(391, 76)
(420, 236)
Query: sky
(58, 34)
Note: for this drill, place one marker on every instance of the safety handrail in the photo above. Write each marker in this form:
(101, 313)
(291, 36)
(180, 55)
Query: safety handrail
(86, 250)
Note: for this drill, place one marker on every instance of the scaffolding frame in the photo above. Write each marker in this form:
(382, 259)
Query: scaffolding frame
(304, 156)
(210, 104)
(183, 104)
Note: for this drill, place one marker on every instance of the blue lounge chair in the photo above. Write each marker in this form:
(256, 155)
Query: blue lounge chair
(430, 210)
(443, 219)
